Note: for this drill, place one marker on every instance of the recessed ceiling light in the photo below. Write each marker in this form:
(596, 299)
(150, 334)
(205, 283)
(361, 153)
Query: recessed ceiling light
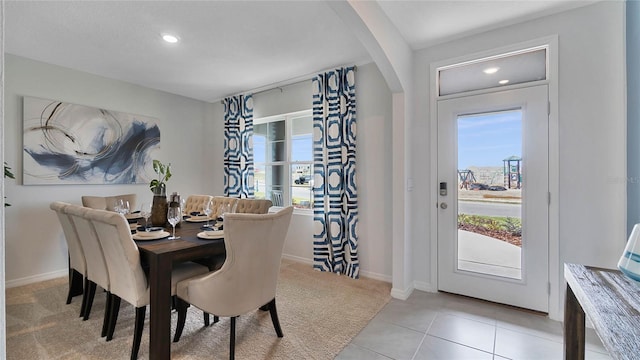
(170, 38)
(502, 82)
(491, 70)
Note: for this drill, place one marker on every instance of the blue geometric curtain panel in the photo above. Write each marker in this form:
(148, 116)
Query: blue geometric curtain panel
(335, 200)
(238, 146)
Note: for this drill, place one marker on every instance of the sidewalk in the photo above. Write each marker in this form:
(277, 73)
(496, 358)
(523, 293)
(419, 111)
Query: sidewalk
(483, 254)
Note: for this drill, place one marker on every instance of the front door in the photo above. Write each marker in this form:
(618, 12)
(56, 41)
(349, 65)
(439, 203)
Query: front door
(493, 197)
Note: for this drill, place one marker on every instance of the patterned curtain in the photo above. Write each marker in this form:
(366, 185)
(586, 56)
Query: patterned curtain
(335, 201)
(238, 146)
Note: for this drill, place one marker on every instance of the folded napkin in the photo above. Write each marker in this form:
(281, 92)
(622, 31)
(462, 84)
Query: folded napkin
(149, 233)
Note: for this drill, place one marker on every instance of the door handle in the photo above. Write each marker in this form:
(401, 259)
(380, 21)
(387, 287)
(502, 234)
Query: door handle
(443, 205)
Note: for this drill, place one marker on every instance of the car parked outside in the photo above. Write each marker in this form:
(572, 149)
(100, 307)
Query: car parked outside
(478, 186)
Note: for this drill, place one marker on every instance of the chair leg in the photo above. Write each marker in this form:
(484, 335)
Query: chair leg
(75, 284)
(137, 331)
(107, 310)
(113, 316)
(181, 307)
(207, 320)
(85, 294)
(232, 339)
(91, 293)
(274, 317)
(215, 319)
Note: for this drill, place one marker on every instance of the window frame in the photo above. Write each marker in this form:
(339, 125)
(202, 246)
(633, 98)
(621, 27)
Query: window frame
(288, 163)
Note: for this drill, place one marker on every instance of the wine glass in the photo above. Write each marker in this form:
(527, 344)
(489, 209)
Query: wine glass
(145, 212)
(122, 207)
(208, 210)
(173, 216)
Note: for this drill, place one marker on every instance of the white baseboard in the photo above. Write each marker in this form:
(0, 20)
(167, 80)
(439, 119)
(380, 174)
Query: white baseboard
(401, 294)
(36, 278)
(424, 286)
(367, 274)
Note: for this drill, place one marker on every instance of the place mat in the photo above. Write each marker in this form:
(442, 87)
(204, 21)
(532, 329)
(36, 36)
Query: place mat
(198, 219)
(217, 234)
(153, 235)
(133, 216)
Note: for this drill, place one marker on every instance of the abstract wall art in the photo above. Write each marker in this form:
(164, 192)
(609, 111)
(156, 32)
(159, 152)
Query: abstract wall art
(74, 144)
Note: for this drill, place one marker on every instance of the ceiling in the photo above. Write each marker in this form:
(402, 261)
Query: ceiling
(228, 47)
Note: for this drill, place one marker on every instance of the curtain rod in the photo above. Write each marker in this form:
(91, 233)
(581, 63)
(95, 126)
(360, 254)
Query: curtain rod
(285, 84)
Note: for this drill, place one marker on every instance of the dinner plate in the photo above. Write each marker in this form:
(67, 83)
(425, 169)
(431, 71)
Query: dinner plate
(152, 235)
(198, 219)
(218, 234)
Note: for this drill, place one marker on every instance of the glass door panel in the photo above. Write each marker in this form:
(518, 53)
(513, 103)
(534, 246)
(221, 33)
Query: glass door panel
(490, 193)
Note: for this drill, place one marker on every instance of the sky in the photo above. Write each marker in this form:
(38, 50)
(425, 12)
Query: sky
(487, 139)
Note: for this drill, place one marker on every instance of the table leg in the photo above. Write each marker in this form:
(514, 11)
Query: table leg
(160, 313)
(574, 327)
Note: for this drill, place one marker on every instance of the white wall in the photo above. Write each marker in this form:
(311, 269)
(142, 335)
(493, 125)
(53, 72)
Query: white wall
(192, 140)
(592, 132)
(373, 166)
(34, 244)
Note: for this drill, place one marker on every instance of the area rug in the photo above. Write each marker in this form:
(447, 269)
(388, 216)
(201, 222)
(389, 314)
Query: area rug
(319, 313)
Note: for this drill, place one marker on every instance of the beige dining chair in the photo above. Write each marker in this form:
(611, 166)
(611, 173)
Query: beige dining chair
(128, 279)
(248, 278)
(96, 274)
(253, 206)
(108, 202)
(219, 201)
(76, 254)
(196, 203)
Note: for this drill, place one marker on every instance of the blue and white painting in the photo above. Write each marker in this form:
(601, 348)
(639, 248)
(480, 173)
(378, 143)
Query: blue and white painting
(74, 144)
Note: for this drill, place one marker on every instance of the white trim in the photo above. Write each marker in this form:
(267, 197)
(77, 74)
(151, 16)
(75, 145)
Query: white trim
(555, 296)
(401, 294)
(37, 278)
(424, 286)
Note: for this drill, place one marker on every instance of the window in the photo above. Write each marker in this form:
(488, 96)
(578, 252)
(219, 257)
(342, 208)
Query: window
(283, 159)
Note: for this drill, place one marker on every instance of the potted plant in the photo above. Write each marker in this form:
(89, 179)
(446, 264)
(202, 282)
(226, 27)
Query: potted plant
(158, 186)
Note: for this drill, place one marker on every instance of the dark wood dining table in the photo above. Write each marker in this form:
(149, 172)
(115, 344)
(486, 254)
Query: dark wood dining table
(160, 256)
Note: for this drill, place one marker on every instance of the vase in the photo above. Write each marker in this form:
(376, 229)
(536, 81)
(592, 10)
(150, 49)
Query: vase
(159, 208)
(629, 263)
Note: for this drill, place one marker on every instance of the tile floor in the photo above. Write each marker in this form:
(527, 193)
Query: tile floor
(444, 326)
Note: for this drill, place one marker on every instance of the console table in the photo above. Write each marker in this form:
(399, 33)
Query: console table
(612, 302)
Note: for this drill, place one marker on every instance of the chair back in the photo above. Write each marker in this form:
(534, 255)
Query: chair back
(249, 275)
(196, 203)
(218, 201)
(128, 280)
(76, 254)
(96, 266)
(108, 202)
(253, 206)
(276, 198)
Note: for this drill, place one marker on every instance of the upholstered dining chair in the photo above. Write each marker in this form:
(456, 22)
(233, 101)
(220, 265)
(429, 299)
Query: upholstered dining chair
(219, 201)
(253, 206)
(196, 203)
(96, 267)
(108, 202)
(128, 279)
(76, 254)
(247, 280)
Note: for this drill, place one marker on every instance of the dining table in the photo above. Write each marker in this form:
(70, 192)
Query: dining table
(160, 255)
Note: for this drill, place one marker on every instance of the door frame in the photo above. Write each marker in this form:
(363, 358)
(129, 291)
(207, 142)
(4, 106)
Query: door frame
(555, 280)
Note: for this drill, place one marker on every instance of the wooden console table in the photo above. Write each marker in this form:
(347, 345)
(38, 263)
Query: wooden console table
(612, 302)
